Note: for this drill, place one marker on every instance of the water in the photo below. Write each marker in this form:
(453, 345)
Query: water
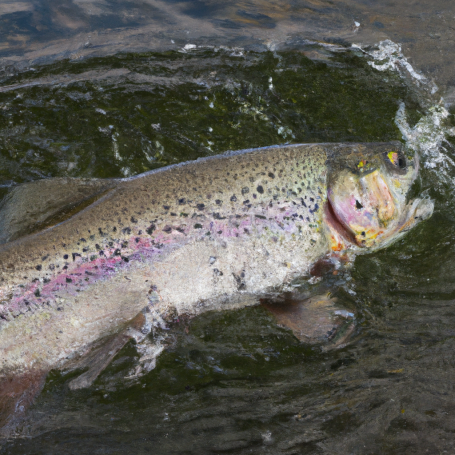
(234, 382)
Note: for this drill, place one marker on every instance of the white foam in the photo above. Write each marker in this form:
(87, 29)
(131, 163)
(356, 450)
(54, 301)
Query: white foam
(428, 136)
(389, 56)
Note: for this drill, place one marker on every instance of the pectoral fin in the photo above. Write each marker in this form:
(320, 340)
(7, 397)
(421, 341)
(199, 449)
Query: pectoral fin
(314, 320)
(101, 355)
(34, 206)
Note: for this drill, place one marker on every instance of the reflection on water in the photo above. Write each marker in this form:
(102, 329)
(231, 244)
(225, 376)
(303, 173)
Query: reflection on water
(234, 382)
(33, 32)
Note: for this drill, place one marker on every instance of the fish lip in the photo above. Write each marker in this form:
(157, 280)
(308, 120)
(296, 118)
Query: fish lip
(338, 225)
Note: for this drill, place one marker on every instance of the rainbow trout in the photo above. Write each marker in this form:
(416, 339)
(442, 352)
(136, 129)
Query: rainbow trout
(187, 238)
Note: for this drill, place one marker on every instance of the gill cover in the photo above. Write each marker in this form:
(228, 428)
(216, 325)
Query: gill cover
(368, 195)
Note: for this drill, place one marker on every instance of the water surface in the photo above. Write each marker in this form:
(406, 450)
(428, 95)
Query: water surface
(235, 382)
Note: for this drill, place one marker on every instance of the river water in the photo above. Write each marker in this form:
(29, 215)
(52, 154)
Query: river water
(235, 382)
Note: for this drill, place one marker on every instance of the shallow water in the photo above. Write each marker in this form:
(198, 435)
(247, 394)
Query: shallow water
(37, 32)
(234, 382)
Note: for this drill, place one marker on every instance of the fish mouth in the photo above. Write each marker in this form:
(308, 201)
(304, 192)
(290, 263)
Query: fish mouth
(342, 237)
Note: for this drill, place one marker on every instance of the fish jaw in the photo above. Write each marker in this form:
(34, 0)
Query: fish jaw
(416, 211)
(370, 208)
(377, 225)
(365, 207)
(340, 239)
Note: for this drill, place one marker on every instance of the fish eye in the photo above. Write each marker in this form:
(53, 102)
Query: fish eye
(396, 159)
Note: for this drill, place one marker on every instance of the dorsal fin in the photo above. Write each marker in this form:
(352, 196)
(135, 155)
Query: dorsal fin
(34, 206)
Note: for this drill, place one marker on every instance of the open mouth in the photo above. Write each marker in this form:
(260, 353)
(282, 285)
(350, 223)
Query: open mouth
(336, 225)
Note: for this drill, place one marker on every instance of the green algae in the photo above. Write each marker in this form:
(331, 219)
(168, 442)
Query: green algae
(227, 379)
(172, 107)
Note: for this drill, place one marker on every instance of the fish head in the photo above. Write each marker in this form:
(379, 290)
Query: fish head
(369, 203)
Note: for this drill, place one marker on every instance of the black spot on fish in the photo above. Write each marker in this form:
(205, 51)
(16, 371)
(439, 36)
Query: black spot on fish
(219, 232)
(65, 256)
(358, 205)
(260, 189)
(44, 257)
(117, 252)
(262, 217)
(181, 230)
(101, 253)
(245, 190)
(84, 250)
(126, 230)
(217, 216)
(75, 255)
(182, 201)
(93, 257)
(271, 175)
(69, 280)
(198, 226)
(133, 220)
(51, 267)
(200, 206)
(167, 229)
(316, 208)
(150, 229)
(173, 214)
(166, 207)
(312, 199)
(65, 267)
(218, 202)
(38, 267)
(125, 259)
(137, 239)
(217, 272)
(241, 286)
(37, 293)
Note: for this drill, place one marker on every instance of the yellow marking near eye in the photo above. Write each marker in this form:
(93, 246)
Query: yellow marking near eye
(361, 164)
(393, 157)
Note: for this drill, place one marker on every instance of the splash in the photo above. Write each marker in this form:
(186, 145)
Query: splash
(428, 137)
(389, 56)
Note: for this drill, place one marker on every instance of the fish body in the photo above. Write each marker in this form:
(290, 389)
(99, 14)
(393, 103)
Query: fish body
(196, 236)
